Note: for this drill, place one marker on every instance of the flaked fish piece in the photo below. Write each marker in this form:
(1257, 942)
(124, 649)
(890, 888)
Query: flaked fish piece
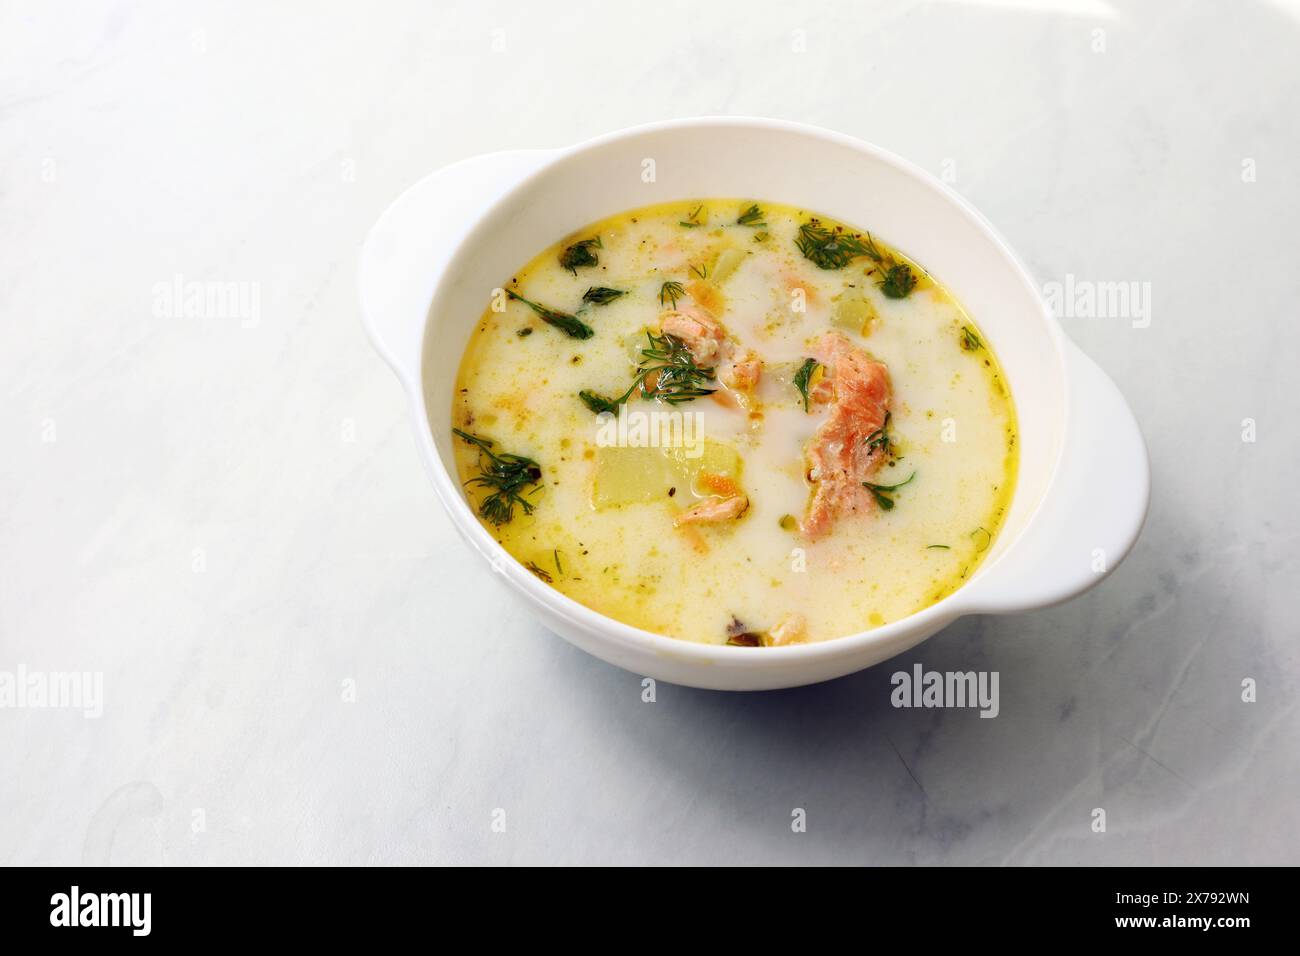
(713, 511)
(744, 373)
(707, 341)
(791, 629)
(698, 331)
(838, 457)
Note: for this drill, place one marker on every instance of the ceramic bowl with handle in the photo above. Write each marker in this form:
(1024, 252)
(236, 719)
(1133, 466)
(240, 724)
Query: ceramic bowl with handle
(434, 257)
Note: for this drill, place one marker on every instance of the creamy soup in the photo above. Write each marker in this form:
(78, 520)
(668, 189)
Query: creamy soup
(735, 422)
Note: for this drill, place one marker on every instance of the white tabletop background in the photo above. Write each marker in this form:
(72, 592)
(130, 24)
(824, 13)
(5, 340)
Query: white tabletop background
(302, 663)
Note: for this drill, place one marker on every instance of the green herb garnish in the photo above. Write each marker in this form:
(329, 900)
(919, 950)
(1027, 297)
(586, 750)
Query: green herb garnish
(897, 281)
(880, 439)
(599, 403)
(579, 254)
(969, 340)
(507, 475)
(932, 547)
(701, 271)
(544, 575)
(833, 248)
(803, 377)
(601, 295)
(693, 220)
(882, 492)
(570, 325)
(677, 378)
(672, 291)
(753, 216)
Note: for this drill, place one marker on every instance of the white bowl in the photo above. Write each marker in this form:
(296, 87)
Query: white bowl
(431, 261)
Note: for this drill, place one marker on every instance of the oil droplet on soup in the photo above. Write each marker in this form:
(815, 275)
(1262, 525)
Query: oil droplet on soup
(735, 422)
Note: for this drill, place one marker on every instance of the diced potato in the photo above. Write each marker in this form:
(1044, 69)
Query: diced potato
(853, 313)
(729, 261)
(716, 459)
(626, 476)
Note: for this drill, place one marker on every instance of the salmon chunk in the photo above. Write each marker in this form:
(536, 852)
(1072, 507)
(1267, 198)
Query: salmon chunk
(713, 511)
(707, 341)
(698, 331)
(837, 455)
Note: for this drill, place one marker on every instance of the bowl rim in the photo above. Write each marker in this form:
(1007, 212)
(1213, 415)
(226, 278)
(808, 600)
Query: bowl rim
(638, 640)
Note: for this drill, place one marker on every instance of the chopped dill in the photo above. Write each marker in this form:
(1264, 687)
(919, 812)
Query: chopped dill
(671, 291)
(580, 254)
(677, 378)
(507, 475)
(543, 574)
(834, 248)
(882, 492)
(570, 325)
(880, 439)
(803, 377)
(693, 220)
(601, 295)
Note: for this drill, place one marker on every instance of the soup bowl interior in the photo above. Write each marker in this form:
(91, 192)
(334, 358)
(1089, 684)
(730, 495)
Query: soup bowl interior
(840, 178)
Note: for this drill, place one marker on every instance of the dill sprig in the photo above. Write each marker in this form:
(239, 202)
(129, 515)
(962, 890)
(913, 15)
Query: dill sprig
(672, 291)
(833, 248)
(897, 280)
(693, 220)
(601, 295)
(507, 475)
(570, 325)
(803, 377)
(540, 572)
(676, 376)
(580, 255)
(969, 340)
(880, 439)
(882, 492)
(753, 216)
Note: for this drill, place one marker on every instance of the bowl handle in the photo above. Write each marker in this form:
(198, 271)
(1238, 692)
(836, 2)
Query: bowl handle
(407, 250)
(1092, 512)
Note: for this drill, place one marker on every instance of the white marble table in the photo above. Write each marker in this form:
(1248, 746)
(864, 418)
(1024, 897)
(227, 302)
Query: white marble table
(225, 516)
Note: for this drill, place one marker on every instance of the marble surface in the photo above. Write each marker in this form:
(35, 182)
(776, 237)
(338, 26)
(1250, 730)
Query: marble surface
(225, 515)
